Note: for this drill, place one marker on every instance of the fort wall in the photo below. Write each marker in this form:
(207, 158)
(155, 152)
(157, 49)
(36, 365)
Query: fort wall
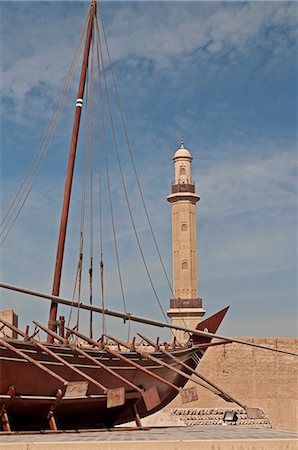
(255, 377)
(11, 317)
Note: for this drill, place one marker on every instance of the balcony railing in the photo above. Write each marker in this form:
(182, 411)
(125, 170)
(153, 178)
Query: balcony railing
(177, 303)
(189, 182)
(186, 187)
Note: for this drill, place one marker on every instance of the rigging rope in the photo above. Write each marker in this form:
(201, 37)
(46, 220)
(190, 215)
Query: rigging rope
(78, 278)
(24, 190)
(100, 58)
(91, 131)
(130, 151)
(100, 119)
(123, 181)
(73, 294)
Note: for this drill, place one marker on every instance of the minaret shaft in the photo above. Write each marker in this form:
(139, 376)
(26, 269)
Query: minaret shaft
(186, 306)
(185, 279)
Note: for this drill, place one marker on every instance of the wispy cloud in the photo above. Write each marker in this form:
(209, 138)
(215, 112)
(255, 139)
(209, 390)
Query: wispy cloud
(170, 36)
(249, 185)
(170, 31)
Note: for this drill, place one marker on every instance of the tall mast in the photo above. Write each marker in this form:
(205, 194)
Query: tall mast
(70, 169)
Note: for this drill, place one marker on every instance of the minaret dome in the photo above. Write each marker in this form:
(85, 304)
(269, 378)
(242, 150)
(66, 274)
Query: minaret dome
(182, 165)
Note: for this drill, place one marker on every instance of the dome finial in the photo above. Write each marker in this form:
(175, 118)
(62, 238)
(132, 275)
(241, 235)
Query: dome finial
(182, 142)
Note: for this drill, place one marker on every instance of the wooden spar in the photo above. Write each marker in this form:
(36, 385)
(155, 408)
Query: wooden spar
(117, 400)
(5, 405)
(103, 366)
(65, 363)
(32, 361)
(114, 401)
(111, 371)
(194, 372)
(141, 368)
(115, 397)
(14, 328)
(128, 361)
(211, 344)
(150, 396)
(133, 318)
(69, 177)
(159, 361)
(52, 354)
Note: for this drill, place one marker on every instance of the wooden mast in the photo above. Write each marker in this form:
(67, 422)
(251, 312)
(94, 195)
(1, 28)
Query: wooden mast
(52, 324)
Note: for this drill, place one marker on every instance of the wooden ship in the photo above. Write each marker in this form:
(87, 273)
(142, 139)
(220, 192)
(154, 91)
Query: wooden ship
(75, 381)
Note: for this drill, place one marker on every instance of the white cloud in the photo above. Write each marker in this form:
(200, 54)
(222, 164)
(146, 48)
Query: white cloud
(214, 47)
(179, 30)
(249, 184)
(163, 33)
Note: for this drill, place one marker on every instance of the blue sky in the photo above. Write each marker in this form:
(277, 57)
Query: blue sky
(221, 74)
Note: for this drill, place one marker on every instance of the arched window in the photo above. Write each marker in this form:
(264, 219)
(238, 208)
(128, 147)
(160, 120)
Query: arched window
(185, 265)
(184, 227)
(182, 171)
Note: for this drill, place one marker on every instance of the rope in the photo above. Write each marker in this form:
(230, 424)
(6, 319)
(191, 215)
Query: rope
(80, 267)
(131, 154)
(100, 117)
(100, 58)
(78, 278)
(124, 186)
(91, 128)
(17, 204)
(73, 294)
(133, 162)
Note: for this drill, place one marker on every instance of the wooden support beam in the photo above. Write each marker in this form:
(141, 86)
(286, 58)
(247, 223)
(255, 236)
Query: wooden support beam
(63, 361)
(219, 392)
(146, 355)
(134, 318)
(137, 417)
(150, 396)
(141, 368)
(127, 360)
(212, 344)
(102, 365)
(52, 421)
(112, 399)
(32, 361)
(3, 413)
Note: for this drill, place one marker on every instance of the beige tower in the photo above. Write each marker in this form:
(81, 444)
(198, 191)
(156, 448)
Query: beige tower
(186, 308)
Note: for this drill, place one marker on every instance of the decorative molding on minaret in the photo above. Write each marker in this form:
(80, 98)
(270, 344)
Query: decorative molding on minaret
(186, 308)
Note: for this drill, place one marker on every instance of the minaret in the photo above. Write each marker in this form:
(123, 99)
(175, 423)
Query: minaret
(186, 306)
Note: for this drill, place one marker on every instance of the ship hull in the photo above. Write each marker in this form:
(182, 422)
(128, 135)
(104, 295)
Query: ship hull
(35, 391)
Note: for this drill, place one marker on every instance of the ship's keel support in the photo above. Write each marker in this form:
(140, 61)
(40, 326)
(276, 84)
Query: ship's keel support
(52, 421)
(51, 417)
(137, 417)
(3, 413)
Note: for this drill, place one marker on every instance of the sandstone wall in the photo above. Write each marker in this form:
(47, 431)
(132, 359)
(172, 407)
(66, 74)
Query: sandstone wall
(9, 316)
(255, 377)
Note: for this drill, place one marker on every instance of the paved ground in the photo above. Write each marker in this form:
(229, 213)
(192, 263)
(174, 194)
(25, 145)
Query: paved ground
(156, 434)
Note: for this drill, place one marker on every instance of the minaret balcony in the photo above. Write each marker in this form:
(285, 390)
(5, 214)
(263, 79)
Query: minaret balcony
(183, 187)
(177, 303)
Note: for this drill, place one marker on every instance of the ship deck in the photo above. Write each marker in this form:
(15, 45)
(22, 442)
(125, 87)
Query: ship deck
(157, 438)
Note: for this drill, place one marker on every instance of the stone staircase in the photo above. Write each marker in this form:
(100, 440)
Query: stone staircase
(254, 417)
